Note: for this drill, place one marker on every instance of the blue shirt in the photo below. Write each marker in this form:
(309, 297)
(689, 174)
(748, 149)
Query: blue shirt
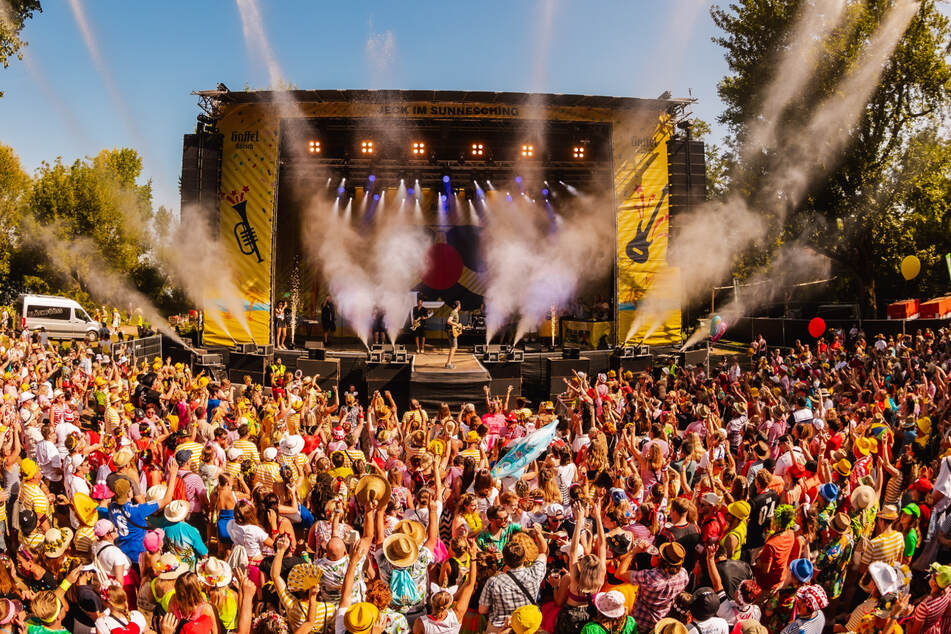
(184, 535)
(130, 520)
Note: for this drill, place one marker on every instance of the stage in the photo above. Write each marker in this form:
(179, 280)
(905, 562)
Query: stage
(431, 383)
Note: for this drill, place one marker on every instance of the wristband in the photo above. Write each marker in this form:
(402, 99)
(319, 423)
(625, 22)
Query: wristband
(65, 585)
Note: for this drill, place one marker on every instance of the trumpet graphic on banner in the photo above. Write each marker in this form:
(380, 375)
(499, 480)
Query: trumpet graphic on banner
(244, 234)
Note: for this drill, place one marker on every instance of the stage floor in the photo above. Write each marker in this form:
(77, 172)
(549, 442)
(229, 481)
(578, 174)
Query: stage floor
(429, 361)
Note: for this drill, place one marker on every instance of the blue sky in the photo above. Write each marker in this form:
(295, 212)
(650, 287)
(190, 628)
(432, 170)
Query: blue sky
(154, 54)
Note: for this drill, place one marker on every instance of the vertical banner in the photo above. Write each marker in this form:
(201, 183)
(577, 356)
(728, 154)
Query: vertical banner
(641, 189)
(246, 212)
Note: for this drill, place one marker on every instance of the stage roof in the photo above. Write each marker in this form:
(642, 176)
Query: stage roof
(449, 96)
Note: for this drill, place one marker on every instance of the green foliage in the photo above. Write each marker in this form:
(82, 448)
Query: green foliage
(880, 199)
(13, 15)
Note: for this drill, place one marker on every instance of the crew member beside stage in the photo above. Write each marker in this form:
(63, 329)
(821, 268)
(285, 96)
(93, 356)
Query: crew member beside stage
(328, 319)
(278, 378)
(453, 328)
(420, 315)
(379, 328)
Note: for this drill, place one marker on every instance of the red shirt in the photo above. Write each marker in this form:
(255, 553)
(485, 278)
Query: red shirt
(775, 555)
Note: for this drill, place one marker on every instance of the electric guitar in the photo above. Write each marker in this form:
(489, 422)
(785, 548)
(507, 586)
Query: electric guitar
(419, 321)
(457, 329)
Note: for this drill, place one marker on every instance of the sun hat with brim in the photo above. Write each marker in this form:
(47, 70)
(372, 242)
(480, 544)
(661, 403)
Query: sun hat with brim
(292, 445)
(176, 511)
(28, 468)
(739, 509)
(610, 604)
(668, 625)
(864, 446)
(214, 572)
(156, 492)
(750, 626)
(526, 619)
(888, 513)
(86, 508)
(303, 577)
(843, 467)
(269, 454)
(840, 523)
(101, 492)
(472, 436)
(56, 541)
(761, 449)
(169, 566)
(361, 617)
(400, 550)
(802, 570)
(673, 553)
(412, 528)
(122, 457)
(372, 487)
(885, 577)
(911, 509)
(862, 497)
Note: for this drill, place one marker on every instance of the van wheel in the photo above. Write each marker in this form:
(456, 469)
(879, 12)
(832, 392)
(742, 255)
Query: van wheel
(92, 336)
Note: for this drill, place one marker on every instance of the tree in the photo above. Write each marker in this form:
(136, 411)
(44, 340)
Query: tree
(853, 211)
(13, 15)
(14, 186)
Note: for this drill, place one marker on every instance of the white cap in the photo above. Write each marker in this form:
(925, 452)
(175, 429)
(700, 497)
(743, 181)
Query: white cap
(234, 453)
(269, 454)
(554, 509)
(25, 396)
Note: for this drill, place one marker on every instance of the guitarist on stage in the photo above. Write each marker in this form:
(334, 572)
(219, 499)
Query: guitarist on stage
(420, 314)
(453, 329)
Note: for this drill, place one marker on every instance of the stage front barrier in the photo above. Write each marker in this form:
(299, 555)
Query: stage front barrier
(785, 332)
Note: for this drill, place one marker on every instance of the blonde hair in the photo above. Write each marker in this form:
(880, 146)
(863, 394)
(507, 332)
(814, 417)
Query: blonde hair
(117, 602)
(596, 457)
(548, 485)
(441, 602)
(591, 572)
(188, 594)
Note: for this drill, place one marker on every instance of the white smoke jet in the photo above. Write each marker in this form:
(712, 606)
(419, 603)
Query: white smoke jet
(337, 250)
(794, 69)
(80, 260)
(252, 26)
(199, 262)
(399, 254)
(380, 51)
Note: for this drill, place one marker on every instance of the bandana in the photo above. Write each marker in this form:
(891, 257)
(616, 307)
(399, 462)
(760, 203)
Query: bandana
(813, 596)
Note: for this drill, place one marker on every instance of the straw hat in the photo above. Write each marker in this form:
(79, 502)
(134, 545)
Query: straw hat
(176, 511)
(304, 577)
(169, 566)
(156, 492)
(670, 625)
(673, 553)
(86, 508)
(214, 572)
(862, 497)
(56, 541)
(373, 487)
(889, 513)
(412, 528)
(531, 548)
(437, 447)
(400, 550)
(123, 457)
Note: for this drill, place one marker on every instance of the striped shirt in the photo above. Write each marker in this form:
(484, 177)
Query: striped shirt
(233, 469)
(297, 612)
(248, 449)
(887, 547)
(111, 418)
(267, 473)
(929, 612)
(32, 497)
(196, 449)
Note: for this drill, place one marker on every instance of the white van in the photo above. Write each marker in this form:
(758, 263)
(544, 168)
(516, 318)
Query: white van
(63, 318)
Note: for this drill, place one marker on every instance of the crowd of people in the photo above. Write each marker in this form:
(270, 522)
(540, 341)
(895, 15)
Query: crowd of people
(807, 492)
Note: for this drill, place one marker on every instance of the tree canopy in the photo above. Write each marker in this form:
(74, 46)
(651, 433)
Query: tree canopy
(13, 15)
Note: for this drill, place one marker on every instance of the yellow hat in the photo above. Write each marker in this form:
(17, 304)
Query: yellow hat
(526, 619)
(864, 446)
(28, 468)
(437, 447)
(361, 618)
(739, 509)
(203, 381)
(86, 508)
(25, 387)
(157, 365)
(472, 436)
(843, 467)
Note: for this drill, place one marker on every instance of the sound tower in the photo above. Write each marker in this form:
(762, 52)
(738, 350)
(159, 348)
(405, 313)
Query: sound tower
(201, 161)
(686, 177)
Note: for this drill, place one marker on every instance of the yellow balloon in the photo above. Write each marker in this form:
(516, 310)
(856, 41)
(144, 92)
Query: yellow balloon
(910, 267)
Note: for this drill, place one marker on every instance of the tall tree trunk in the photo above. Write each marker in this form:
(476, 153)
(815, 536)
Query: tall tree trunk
(869, 298)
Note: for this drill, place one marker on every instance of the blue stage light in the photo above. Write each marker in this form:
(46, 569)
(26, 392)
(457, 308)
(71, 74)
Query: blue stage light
(518, 180)
(409, 191)
(544, 192)
(341, 190)
(376, 197)
(372, 178)
(445, 179)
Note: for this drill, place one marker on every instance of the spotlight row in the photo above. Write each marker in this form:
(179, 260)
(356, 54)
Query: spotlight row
(477, 151)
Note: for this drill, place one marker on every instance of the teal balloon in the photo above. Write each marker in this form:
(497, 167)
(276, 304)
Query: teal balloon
(715, 325)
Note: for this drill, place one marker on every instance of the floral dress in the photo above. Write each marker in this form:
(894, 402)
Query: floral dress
(832, 564)
(394, 622)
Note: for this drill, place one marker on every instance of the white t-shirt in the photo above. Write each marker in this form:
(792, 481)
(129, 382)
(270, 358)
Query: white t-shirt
(109, 556)
(713, 625)
(785, 461)
(107, 624)
(75, 484)
(49, 461)
(63, 430)
(250, 536)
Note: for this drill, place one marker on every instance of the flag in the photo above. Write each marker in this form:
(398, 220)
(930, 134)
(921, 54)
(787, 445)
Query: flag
(523, 452)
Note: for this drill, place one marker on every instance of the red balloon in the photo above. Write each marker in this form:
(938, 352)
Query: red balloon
(817, 326)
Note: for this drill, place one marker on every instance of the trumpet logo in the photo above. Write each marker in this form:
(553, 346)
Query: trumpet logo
(244, 234)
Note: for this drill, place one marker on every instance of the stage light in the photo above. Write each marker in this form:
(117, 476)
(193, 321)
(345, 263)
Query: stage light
(577, 152)
(366, 147)
(528, 150)
(478, 149)
(518, 180)
(508, 197)
(409, 191)
(313, 147)
(341, 190)
(419, 148)
(376, 197)
(445, 179)
(544, 192)
(372, 178)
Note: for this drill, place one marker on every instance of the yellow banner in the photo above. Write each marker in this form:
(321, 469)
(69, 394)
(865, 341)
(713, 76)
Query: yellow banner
(248, 185)
(643, 220)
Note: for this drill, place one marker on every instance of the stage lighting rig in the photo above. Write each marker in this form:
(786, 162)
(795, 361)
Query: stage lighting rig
(366, 147)
(313, 146)
(478, 150)
(578, 152)
(528, 150)
(419, 149)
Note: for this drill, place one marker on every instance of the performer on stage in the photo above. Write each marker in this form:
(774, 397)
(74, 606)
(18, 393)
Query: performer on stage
(453, 328)
(420, 315)
(328, 319)
(379, 328)
(280, 324)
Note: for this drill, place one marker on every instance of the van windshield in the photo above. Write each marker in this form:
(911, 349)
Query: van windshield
(81, 314)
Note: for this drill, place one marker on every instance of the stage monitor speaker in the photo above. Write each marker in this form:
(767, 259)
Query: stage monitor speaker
(571, 353)
(236, 376)
(479, 349)
(695, 357)
(245, 348)
(266, 350)
(564, 367)
(317, 354)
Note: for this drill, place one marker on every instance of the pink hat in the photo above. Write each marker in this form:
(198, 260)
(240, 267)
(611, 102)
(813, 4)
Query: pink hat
(153, 540)
(103, 528)
(101, 492)
(610, 604)
(338, 433)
